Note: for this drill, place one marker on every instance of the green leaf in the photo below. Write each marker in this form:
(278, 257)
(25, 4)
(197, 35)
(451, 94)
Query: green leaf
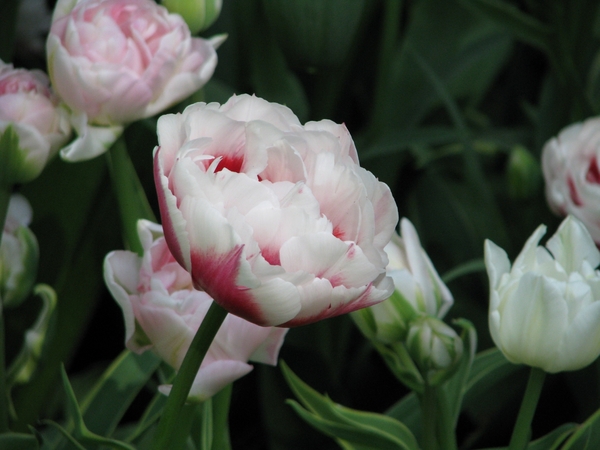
(357, 427)
(587, 436)
(466, 268)
(350, 433)
(553, 439)
(104, 406)
(521, 25)
(18, 441)
(81, 432)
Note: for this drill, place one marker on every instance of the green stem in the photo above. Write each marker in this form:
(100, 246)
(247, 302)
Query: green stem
(4, 406)
(186, 374)
(445, 422)
(429, 411)
(522, 431)
(132, 200)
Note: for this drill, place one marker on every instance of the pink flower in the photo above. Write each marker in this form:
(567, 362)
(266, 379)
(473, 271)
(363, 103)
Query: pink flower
(28, 105)
(117, 61)
(163, 311)
(275, 220)
(571, 169)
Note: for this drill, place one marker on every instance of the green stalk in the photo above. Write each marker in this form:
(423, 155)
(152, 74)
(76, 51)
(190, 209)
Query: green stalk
(445, 422)
(132, 200)
(182, 384)
(4, 406)
(429, 412)
(522, 431)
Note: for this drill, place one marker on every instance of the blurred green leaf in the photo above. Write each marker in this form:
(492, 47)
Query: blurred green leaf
(472, 266)
(553, 439)
(587, 435)
(521, 25)
(18, 441)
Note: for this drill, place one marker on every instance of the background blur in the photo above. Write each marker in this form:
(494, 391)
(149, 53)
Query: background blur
(448, 101)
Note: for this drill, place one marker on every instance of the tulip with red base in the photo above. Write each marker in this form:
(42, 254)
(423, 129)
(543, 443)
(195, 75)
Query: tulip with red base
(274, 219)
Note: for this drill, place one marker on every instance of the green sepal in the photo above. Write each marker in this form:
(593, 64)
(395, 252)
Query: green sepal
(81, 434)
(13, 168)
(339, 422)
(401, 365)
(30, 257)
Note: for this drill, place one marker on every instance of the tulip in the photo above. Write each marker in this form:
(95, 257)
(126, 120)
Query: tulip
(32, 125)
(545, 309)
(273, 219)
(572, 173)
(418, 290)
(163, 311)
(19, 253)
(116, 61)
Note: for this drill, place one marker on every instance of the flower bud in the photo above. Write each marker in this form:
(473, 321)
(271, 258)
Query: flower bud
(18, 254)
(435, 348)
(523, 173)
(32, 125)
(198, 14)
(418, 290)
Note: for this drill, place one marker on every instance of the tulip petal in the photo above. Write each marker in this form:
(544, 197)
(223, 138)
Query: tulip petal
(572, 244)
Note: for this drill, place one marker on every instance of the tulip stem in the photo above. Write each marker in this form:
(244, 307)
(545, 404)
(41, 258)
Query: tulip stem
(4, 201)
(132, 200)
(522, 431)
(185, 376)
(429, 411)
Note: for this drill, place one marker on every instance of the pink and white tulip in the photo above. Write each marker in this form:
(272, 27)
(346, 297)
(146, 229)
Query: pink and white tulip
(275, 220)
(117, 61)
(163, 311)
(31, 109)
(571, 165)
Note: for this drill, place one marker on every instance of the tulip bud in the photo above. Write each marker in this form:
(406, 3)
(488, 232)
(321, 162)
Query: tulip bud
(418, 290)
(435, 348)
(18, 254)
(523, 173)
(198, 14)
(315, 33)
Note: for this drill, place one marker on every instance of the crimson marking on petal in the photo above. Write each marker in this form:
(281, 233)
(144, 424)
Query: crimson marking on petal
(232, 163)
(216, 273)
(271, 255)
(338, 232)
(363, 301)
(573, 192)
(593, 173)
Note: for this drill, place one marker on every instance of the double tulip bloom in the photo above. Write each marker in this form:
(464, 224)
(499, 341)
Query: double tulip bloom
(545, 308)
(571, 168)
(31, 110)
(273, 219)
(163, 311)
(116, 61)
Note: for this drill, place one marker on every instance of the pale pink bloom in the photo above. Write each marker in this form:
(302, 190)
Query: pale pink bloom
(275, 220)
(571, 168)
(163, 311)
(117, 61)
(28, 105)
